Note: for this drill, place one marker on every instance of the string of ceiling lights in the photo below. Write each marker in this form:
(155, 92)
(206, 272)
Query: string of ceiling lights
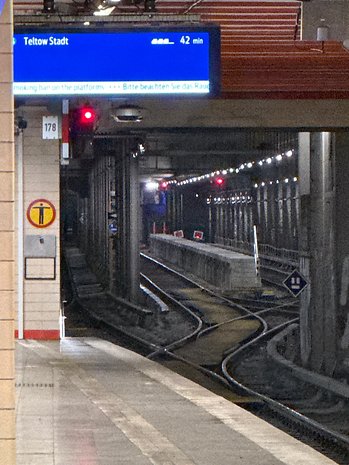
(277, 181)
(244, 166)
(241, 198)
(246, 197)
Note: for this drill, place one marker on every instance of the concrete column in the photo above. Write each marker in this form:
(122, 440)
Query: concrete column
(210, 219)
(342, 242)
(219, 230)
(318, 307)
(264, 219)
(134, 227)
(304, 233)
(181, 215)
(41, 168)
(287, 216)
(280, 214)
(7, 237)
(128, 212)
(274, 216)
(236, 223)
(118, 270)
(294, 216)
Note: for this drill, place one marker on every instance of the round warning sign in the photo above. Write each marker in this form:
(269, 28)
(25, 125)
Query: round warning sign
(41, 213)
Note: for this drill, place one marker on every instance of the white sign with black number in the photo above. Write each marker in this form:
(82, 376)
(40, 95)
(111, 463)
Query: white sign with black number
(50, 127)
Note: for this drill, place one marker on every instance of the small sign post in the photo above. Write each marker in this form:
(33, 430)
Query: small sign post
(113, 229)
(198, 235)
(50, 127)
(178, 233)
(41, 213)
(295, 283)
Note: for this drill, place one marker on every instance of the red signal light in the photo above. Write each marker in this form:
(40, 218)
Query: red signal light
(87, 115)
(219, 181)
(83, 120)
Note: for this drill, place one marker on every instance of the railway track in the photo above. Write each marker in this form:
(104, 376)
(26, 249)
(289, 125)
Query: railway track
(297, 406)
(309, 412)
(215, 341)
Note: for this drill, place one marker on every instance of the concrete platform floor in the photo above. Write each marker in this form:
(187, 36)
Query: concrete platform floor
(88, 402)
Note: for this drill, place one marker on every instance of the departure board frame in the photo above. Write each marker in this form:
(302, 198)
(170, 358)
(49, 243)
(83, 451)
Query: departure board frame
(176, 60)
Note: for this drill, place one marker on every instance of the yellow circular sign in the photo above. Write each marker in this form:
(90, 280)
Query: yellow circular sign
(41, 213)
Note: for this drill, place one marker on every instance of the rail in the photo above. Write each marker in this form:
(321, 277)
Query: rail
(313, 426)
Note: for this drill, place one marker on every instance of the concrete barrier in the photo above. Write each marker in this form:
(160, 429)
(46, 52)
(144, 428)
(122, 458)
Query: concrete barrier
(225, 269)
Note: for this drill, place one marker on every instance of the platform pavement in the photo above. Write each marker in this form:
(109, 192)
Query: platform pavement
(88, 402)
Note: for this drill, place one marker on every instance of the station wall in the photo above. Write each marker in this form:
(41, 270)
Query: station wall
(7, 221)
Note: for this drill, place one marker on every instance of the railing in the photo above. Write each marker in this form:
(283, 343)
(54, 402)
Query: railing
(266, 251)
(239, 246)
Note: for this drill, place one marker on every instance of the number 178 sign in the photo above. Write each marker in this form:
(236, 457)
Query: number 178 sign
(50, 128)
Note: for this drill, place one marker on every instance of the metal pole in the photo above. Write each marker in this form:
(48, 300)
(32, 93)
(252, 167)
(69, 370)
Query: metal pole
(125, 237)
(255, 249)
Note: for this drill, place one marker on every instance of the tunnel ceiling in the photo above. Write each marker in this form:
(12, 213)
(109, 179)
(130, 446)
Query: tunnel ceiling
(195, 152)
(215, 142)
(183, 152)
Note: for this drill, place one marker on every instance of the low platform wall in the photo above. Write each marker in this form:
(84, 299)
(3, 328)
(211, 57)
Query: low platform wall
(225, 269)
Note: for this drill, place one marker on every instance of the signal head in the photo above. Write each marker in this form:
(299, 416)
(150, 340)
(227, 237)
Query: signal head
(84, 120)
(87, 115)
(219, 181)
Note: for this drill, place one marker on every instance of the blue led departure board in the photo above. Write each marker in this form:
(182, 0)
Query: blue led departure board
(138, 62)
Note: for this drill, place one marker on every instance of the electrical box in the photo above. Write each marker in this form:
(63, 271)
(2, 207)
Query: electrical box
(40, 246)
(40, 257)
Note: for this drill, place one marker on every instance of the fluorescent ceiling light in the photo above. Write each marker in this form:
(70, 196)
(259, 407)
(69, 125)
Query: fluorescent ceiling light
(152, 186)
(104, 11)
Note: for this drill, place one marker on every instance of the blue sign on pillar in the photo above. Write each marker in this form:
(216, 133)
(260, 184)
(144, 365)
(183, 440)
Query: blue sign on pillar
(295, 283)
(113, 227)
(2, 4)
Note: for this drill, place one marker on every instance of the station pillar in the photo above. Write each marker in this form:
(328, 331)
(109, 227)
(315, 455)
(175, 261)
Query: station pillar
(134, 226)
(316, 242)
(128, 212)
(38, 227)
(324, 249)
(342, 243)
(7, 238)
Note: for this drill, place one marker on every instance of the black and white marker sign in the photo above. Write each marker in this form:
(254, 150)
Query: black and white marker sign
(295, 283)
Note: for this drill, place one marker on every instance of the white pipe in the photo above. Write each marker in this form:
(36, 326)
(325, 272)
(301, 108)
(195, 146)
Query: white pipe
(20, 236)
(62, 319)
(255, 247)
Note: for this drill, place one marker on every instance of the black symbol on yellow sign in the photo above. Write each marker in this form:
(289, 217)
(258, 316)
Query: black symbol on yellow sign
(41, 213)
